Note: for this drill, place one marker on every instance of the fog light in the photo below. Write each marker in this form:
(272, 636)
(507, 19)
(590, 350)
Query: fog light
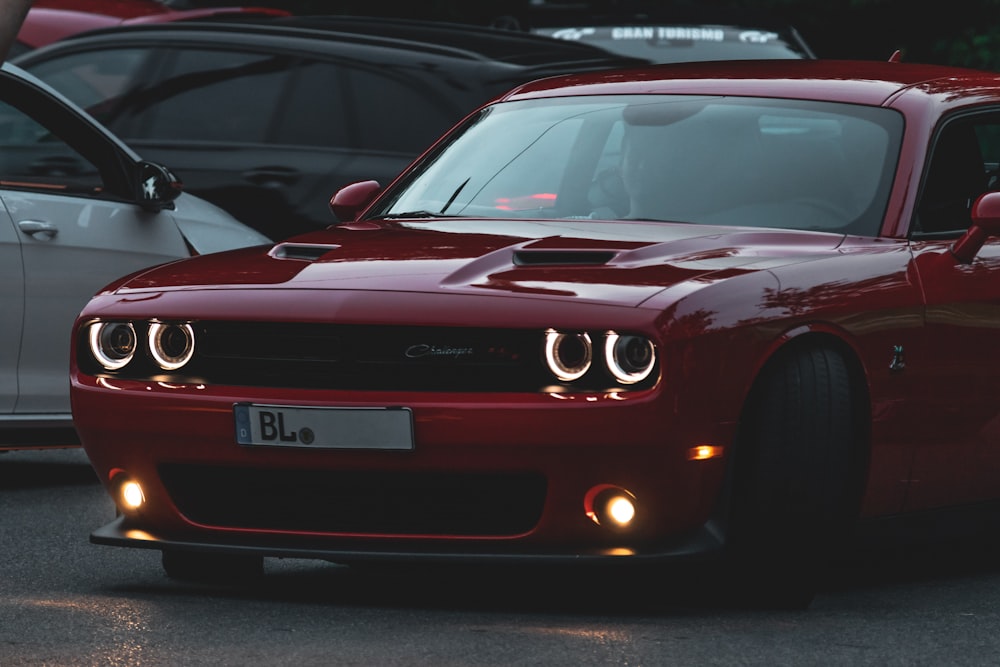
(130, 495)
(610, 506)
(621, 510)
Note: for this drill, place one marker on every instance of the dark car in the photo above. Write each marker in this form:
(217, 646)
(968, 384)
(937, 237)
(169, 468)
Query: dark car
(742, 311)
(266, 117)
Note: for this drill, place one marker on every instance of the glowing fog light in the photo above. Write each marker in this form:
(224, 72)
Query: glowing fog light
(610, 506)
(568, 356)
(112, 343)
(621, 510)
(629, 358)
(131, 495)
(172, 345)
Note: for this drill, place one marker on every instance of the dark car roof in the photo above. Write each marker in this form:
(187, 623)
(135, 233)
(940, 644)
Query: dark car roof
(862, 82)
(504, 45)
(444, 39)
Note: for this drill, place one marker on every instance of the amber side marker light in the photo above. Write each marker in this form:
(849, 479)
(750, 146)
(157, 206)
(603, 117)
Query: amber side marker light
(704, 452)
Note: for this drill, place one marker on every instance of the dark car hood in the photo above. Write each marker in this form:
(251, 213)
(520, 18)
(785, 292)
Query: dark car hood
(621, 262)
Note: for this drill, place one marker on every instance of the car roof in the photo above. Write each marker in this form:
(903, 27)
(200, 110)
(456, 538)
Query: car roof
(860, 82)
(445, 39)
(494, 44)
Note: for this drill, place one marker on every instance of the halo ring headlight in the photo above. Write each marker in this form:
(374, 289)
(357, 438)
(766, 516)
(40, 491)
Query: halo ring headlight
(171, 345)
(568, 355)
(629, 358)
(113, 344)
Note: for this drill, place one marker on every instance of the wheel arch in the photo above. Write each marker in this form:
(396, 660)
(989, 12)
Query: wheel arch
(787, 344)
(836, 340)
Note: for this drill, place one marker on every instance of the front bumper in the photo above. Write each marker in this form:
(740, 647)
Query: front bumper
(504, 479)
(703, 543)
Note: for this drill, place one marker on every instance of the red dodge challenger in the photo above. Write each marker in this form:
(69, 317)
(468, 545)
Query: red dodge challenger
(732, 310)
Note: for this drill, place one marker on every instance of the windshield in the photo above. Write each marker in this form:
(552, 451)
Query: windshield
(785, 164)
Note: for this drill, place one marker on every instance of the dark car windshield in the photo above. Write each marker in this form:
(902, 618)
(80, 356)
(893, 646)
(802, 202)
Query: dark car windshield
(684, 43)
(786, 164)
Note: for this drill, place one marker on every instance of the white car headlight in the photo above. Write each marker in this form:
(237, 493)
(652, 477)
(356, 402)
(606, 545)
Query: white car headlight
(112, 343)
(629, 358)
(568, 355)
(171, 345)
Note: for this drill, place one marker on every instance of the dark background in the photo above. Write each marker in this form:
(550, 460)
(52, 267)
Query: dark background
(959, 32)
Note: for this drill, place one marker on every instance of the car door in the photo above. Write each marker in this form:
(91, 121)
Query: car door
(12, 305)
(957, 457)
(64, 185)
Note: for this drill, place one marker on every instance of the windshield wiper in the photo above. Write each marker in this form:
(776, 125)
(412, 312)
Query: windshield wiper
(416, 214)
(454, 195)
(431, 214)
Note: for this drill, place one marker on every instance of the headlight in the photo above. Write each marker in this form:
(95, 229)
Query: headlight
(112, 343)
(568, 355)
(172, 345)
(630, 358)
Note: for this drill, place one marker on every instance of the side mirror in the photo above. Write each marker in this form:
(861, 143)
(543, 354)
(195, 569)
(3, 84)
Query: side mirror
(985, 223)
(350, 200)
(157, 186)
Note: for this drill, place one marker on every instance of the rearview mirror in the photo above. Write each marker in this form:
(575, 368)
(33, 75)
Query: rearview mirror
(985, 223)
(157, 186)
(351, 199)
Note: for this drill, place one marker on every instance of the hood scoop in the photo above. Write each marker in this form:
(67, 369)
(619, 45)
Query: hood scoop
(309, 252)
(563, 257)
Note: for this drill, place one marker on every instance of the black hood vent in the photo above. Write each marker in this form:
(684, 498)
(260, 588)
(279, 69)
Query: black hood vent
(563, 257)
(306, 251)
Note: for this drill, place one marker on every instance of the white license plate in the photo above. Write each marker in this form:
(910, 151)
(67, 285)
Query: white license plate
(323, 428)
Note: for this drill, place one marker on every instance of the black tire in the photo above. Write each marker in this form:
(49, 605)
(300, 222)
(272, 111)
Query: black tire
(211, 568)
(797, 485)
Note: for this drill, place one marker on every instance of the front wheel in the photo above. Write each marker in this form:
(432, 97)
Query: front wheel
(797, 486)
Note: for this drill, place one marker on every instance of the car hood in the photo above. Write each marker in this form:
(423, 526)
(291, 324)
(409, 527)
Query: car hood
(623, 263)
(208, 228)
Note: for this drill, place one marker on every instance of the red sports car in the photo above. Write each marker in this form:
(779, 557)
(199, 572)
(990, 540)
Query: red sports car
(736, 310)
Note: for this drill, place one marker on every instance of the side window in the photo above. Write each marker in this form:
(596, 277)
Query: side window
(957, 174)
(989, 143)
(398, 116)
(215, 96)
(315, 111)
(31, 157)
(96, 81)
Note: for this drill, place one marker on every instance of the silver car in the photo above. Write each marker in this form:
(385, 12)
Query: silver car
(78, 209)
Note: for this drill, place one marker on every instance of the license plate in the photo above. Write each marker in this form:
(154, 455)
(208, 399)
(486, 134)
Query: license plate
(323, 428)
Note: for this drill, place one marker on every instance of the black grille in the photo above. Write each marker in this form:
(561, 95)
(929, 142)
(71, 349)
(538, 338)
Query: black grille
(375, 358)
(375, 503)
